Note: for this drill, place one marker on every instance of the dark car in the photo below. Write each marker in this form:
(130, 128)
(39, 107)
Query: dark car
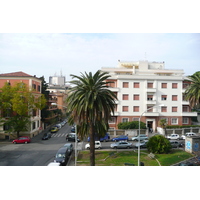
(46, 136)
(176, 144)
(121, 137)
(105, 138)
(62, 156)
(69, 146)
(73, 129)
(72, 137)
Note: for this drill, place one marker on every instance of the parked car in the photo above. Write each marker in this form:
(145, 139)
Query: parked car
(141, 137)
(176, 144)
(59, 126)
(121, 145)
(54, 129)
(106, 138)
(173, 137)
(53, 164)
(121, 137)
(73, 129)
(71, 137)
(23, 139)
(46, 136)
(97, 145)
(142, 144)
(69, 146)
(188, 135)
(62, 156)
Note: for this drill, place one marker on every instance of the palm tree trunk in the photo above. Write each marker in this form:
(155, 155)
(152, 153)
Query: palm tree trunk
(92, 145)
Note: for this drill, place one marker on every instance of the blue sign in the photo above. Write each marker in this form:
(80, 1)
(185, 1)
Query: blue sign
(188, 145)
(196, 146)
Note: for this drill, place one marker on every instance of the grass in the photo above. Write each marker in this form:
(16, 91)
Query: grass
(118, 158)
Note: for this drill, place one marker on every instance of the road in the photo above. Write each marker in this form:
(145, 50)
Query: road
(37, 153)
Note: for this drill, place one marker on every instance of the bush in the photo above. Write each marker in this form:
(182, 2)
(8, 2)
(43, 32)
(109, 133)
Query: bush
(159, 144)
(131, 125)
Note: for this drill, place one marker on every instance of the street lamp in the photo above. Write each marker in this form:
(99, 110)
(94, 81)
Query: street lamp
(55, 104)
(139, 130)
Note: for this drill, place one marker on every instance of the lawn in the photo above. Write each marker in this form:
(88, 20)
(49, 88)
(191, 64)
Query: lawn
(118, 158)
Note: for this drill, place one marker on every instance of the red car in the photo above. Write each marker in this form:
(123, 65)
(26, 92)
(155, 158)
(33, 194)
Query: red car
(23, 139)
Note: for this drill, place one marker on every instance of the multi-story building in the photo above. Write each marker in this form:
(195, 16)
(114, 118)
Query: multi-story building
(141, 87)
(32, 82)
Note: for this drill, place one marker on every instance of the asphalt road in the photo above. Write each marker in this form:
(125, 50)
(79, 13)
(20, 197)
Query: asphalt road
(37, 153)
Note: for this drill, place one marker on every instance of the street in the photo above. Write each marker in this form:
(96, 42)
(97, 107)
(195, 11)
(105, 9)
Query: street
(37, 153)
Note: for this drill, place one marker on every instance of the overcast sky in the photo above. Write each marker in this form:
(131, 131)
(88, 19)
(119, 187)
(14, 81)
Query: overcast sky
(50, 54)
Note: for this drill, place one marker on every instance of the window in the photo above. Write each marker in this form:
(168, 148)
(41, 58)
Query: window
(149, 109)
(185, 120)
(174, 109)
(149, 97)
(125, 96)
(174, 85)
(34, 86)
(136, 85)
(136, 97)
(135, 119)
(164, 97)
(112, 120)
(125, 108)
(38, 88)
(164, 85)
(125, 84)
(136, 108)
(186, 109)
(33, 125)
(124, 119)
(164, 109)
(149, 85)
(174, 121)
(174, 97)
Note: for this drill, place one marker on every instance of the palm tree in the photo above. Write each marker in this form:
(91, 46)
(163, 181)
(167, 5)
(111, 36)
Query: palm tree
(90, 105)
(192, 93)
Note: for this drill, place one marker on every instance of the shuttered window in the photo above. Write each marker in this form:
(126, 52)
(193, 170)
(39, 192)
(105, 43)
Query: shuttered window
(136, 108)
(125, 84)
(136, 97)
(125, 108)
(174, 85)
(125, 96)
(164, 85)
(163, 109)
(174, 109)
(136, 85)
(174, 97)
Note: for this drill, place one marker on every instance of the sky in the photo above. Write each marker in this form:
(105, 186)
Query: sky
(49, 54)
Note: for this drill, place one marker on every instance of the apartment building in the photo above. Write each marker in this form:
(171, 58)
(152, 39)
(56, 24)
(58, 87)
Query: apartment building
(148, 90)
(32, 82)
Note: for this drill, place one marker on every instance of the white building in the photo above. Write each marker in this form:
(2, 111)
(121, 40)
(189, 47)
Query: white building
(142, 85)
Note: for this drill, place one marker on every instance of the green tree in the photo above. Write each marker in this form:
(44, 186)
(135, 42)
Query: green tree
(163, 124)
(131, 125)
(159, 144)
(90, 105)
(18, 103)
(192, 93)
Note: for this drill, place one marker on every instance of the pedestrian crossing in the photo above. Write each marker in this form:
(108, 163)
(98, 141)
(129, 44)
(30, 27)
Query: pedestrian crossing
(59, 135)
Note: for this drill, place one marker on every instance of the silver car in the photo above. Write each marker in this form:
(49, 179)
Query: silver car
(142, 137)
(121, 145)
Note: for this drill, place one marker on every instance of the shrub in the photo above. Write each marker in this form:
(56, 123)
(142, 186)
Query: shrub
(159, 144)
(131, 125)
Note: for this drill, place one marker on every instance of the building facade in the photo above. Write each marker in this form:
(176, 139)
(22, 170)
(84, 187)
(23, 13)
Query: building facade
(33, 83)
(148, 90)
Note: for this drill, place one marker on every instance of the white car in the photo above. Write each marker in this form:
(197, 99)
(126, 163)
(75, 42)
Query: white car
(173, 137)
(97, 145)
(188, 135)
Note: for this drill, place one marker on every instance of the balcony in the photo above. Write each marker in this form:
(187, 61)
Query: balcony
(152, 90)
(114, 89)
(151, 114)
(151, 102)
(189, 114)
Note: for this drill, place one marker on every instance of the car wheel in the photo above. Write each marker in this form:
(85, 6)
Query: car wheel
(15, 142)
(128, 147)
(25, 142)
(88, 148)
(115, 147)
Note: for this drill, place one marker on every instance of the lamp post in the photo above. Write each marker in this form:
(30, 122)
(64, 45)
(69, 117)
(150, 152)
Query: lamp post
(75, 148)
(139, 130)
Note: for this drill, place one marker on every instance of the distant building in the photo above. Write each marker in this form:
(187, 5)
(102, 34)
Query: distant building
(32, 82)
(141, 85)
(57, 80)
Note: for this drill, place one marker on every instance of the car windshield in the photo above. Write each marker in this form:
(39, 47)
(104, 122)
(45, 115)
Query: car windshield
(60, 155)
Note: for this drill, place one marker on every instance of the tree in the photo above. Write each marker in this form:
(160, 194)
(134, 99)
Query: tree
(90, 105)
(159, 144)
(131, 125)
(18, 103)
(163, 124)
(192, 93)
